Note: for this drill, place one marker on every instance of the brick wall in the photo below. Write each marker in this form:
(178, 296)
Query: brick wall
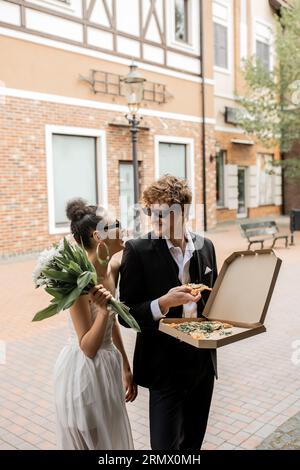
(264, 211)
(23, 183)
(291, 195)
(224, 215)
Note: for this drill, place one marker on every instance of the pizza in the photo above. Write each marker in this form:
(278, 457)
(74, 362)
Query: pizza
(197, 288)
(197, 335)
(203, 329)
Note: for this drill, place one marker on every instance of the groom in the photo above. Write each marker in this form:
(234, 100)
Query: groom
(180, 377)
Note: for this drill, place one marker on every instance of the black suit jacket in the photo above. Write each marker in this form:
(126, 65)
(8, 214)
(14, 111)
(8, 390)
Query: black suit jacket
(149, 271)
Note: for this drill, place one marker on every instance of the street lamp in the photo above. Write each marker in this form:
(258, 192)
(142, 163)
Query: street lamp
(217, 149)
(134, 89)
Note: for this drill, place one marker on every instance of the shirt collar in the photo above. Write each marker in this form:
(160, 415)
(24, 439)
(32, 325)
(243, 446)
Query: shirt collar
(190, 247)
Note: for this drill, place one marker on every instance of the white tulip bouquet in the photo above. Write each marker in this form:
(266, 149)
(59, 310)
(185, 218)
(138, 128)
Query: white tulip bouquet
(65, 272)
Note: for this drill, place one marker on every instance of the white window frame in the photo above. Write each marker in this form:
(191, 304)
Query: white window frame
(259, 204)
(101, 175)
(193, 24)
(243, 32)
(247, 187)
(72, 7)
(225, 158)
(190, 156)
(265, 38)
(228, 24)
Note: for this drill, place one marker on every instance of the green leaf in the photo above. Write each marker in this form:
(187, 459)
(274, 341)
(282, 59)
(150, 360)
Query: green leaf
(122, 310)
(62, 262)
(57, 292)
(69, 250)
(58, 275)
(75, 267)
(46, 313)
(68, 301)
(84, 259)
(84, 279)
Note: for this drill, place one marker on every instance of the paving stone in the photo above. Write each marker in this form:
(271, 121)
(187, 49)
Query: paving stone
(256, 401)
(286, 436)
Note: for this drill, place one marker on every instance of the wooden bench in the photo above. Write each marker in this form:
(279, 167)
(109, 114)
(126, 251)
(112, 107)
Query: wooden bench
(259, 232)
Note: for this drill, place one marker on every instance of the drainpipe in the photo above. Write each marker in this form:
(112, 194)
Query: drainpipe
(277, 5)
(203, 117)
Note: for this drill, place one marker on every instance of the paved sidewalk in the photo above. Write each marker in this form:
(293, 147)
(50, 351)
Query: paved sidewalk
(258, 389)
(286, 436)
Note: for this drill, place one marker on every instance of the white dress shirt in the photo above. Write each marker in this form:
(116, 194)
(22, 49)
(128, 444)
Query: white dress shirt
(183, 262)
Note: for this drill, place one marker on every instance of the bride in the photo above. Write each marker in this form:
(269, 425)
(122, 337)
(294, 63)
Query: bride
(90, 394)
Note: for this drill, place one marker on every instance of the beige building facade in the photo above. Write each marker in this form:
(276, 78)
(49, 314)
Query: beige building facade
(62, 109)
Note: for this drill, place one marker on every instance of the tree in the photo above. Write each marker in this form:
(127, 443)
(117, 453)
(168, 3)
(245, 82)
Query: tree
(271, 105)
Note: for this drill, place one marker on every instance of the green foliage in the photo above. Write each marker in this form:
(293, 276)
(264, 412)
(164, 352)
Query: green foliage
(122, 310)
(69, 274)
(272, 100)
(46, 312)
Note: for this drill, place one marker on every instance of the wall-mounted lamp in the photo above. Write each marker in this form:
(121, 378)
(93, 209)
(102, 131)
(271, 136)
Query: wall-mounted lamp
(214, 155)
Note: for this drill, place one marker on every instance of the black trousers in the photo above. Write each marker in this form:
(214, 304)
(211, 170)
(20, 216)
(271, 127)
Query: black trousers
(179, 412)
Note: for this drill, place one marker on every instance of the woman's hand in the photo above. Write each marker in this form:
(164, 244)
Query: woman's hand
(100, 295)
(130, 386)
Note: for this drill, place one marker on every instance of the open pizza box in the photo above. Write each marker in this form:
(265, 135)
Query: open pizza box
(240, 297)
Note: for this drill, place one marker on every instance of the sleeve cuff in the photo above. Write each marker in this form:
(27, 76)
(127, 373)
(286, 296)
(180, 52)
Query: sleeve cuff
(155, 310)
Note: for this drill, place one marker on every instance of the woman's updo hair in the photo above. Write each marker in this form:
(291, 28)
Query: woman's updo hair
(84, 220)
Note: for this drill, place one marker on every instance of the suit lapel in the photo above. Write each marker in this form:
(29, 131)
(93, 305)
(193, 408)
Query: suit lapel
(198, 263)
(194, 268)
(161, 248)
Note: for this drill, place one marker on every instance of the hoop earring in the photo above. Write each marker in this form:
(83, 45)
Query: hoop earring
(103, 262)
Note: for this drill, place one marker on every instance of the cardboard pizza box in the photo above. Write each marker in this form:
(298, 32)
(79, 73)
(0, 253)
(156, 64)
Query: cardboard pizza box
(240, 297)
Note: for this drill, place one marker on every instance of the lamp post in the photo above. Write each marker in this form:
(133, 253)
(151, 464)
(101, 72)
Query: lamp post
(134, 88)
(218, 149)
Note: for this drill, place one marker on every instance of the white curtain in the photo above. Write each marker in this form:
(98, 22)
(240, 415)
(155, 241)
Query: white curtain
(74, 172)
(172, 160)
(266, 180)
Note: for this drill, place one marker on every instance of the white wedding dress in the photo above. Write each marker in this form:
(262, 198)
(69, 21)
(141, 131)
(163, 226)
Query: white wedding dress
(90, 397)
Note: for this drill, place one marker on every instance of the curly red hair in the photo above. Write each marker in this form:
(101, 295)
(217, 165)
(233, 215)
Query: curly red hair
(167, 190)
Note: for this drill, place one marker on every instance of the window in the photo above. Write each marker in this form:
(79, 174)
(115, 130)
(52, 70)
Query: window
(175, 156)
(74, 171)
(262, 46)
(265, 179)
(172, 159)
(221, 45)
(181, 20)
(243, 32)
(263, 53)
(126, 188)
(76, 167)
(220, 179)
(59, 3)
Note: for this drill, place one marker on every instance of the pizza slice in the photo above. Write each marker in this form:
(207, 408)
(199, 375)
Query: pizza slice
(197, 288)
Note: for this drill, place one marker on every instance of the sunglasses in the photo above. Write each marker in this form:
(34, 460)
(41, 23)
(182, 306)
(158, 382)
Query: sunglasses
(113, 226)
(161, 213)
